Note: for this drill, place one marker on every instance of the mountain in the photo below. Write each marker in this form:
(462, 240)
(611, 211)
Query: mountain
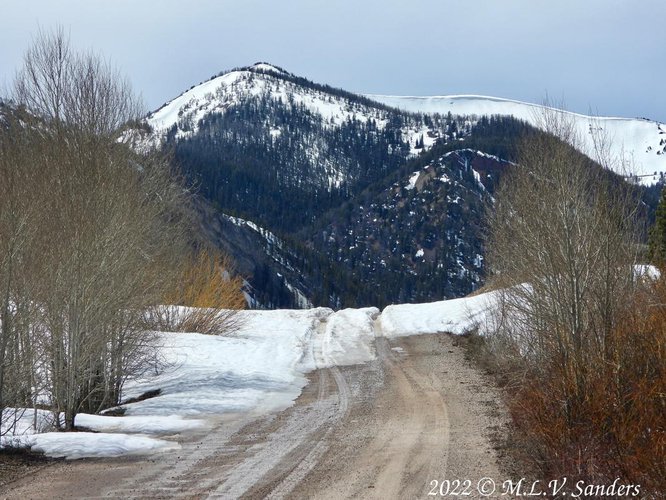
(420, 237)
(325, 197)
(249, 133)
(641, 140)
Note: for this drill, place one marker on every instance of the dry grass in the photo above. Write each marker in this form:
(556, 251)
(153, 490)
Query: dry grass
(210, 295)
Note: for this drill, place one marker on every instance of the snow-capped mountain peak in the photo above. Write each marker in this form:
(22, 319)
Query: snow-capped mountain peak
(267, 67)
(640, 141)
(333, 108)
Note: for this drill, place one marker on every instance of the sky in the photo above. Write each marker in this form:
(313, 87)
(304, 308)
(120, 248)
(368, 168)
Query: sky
(607, 57)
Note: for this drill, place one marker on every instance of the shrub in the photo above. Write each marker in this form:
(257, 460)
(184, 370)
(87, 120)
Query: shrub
(618, 427)
(206, 298)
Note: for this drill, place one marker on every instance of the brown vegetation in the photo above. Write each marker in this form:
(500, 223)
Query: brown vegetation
(584, 337)
(209, 294)
(617, 427)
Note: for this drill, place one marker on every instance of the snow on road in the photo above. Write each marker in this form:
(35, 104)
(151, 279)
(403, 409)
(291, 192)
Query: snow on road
(457, 316)
(260, 368)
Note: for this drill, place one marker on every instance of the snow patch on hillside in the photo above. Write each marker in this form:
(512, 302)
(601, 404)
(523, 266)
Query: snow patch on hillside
(641, 141)
(412, 180)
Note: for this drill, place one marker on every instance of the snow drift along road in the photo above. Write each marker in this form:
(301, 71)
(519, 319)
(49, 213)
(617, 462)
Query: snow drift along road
(259, 369)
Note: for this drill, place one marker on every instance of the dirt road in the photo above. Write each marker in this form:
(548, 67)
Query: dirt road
(385, 429)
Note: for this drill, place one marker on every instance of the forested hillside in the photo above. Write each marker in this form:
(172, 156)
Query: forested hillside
(370, 205)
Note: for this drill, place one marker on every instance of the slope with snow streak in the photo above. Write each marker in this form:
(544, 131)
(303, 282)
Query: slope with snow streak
(642, 141)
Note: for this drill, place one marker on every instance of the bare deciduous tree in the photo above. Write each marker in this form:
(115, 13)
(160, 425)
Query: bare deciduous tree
(561, 245)
(92, 232)
(20, 216)
(584, 332)
(92, 235)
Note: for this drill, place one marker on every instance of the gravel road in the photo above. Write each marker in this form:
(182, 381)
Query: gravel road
(386, 429)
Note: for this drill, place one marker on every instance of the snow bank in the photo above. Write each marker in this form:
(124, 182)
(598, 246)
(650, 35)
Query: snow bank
(456, 316)
(74, 445)
(87, 444)
(347, 338)
(259, 367)
(152, 424)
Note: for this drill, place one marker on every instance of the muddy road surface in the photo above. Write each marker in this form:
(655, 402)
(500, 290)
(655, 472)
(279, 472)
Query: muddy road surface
(387, 429)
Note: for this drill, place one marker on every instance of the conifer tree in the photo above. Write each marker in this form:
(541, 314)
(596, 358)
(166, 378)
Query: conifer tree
(658, 232)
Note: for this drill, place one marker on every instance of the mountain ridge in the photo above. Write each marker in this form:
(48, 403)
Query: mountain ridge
(642, 140)
(371, 204)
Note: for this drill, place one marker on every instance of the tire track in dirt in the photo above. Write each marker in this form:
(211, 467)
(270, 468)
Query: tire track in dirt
(403, 441)
(429, 424)
(310, 461)
(429, 421)
(383, 429)
(310, 435)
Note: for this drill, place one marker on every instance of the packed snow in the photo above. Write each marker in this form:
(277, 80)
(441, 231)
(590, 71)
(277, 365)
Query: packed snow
(346, 338)
(259, 368)
(74, 445)
(153, 424)
(457, 316)
(641, 141)
(113, 436)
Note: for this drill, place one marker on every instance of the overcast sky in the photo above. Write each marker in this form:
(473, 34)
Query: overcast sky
(608, 56)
